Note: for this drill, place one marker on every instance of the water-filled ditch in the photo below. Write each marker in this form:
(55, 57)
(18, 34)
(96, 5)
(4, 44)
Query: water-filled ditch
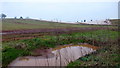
(60, 56)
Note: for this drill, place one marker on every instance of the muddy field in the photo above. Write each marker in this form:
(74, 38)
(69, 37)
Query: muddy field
(31, 33)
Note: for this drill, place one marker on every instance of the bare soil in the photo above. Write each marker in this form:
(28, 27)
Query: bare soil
(31, 33)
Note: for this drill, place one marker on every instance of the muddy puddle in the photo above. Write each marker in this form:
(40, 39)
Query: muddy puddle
(59, 57)
(2, 33)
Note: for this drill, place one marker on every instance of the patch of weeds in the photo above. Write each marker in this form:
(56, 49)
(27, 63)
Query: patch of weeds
(76, 63)
(9, 55)
(86, 58)
(38, 43)
(116, 58)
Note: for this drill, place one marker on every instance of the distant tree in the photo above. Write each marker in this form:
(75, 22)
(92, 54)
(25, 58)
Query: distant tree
(3, 15)
(84, 20)
(21, 17)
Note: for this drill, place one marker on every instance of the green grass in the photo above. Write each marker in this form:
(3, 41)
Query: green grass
(76, 63)
(19, 24)
(9, 55)
(14, 49)
(32, 24)
(108, 55)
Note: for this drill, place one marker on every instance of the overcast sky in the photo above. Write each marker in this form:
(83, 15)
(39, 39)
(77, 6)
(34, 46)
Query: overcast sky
(64, 10)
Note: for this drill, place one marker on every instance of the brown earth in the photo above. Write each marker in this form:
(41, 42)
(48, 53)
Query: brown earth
(31, 33)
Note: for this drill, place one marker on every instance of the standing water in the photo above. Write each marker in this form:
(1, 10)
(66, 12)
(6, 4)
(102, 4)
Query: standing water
(59, 57)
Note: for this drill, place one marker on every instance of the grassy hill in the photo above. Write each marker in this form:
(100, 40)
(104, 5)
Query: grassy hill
(16, 24)
(19, 24)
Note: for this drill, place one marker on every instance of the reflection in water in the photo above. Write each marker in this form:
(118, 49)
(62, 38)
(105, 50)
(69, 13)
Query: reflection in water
(2, 33)
(59, 57)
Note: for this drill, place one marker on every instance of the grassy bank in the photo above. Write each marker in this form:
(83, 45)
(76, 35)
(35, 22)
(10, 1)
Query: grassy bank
(107, 55)
(13, 49)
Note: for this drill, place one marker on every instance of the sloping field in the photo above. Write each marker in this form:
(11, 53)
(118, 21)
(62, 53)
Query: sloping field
(28, 28)
(18, 24)
(13, 49)
(24, 24)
